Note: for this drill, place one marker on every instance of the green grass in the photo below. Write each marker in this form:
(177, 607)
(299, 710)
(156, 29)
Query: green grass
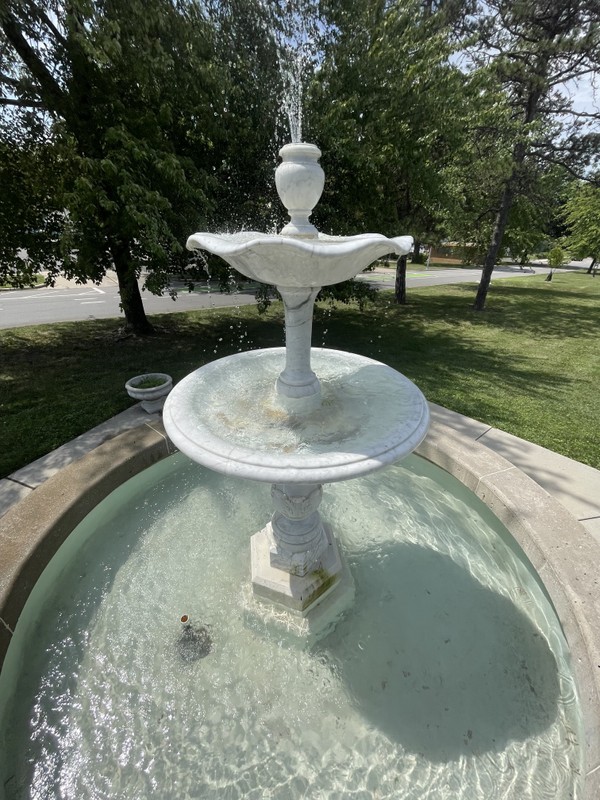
(37, 280)
(528, 365)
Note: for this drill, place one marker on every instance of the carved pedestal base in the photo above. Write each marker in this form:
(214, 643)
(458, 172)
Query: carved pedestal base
(298, 593)
(297, 538)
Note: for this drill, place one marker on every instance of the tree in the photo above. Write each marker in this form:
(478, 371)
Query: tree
(582, 215)
(535, 217)
(534, 49)
(129, 93)
(385, 105)
(400, 282)
(30, 218)
(473, 178)
(556, 259)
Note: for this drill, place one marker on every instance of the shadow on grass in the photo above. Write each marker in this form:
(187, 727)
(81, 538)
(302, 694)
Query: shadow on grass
(58, 381)
(437, 353)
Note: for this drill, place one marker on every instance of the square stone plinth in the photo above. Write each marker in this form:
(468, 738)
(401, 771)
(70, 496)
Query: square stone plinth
(297, 593)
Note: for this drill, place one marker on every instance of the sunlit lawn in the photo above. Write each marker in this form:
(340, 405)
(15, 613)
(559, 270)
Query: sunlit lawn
(528, 365)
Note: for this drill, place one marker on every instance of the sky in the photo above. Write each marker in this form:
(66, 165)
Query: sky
(586, 94)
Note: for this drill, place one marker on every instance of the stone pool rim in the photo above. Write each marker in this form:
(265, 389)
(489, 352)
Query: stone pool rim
(563, 553)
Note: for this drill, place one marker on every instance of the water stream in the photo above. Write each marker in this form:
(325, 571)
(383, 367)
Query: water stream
(295, 27)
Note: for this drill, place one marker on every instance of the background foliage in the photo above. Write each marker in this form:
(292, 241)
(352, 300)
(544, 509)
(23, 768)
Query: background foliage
(127, 124)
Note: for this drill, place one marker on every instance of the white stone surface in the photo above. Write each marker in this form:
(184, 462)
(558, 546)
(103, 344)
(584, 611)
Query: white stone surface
(297, 380)
(297, 535)
(298, 593)
(288, 627)
(294, 262)
(282, 425)
(153, 397)
(226, 416)
(300, 256)
(299, 180)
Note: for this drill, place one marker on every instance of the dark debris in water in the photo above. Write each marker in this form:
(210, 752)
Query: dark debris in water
(194, 642)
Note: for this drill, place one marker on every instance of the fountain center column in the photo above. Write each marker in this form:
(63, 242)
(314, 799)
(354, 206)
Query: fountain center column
(298, 536)
(299, 180)
(295, 559)
(297, 380)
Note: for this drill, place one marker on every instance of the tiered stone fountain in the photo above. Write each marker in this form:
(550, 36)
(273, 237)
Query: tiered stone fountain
(267, 416)
(448, 674)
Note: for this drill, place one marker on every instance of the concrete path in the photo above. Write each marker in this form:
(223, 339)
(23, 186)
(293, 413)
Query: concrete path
(576, 486)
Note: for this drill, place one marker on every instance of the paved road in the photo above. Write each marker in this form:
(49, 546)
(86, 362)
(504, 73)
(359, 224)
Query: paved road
(68, 302)
(384, 278)
(37, 306)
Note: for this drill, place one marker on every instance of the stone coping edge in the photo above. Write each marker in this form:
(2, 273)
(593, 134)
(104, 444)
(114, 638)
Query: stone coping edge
(564, 555)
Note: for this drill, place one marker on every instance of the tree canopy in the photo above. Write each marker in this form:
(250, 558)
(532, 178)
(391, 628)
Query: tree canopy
(533, 50)
(129, 91)
(125, 125)
(386, 105)
(582, 215)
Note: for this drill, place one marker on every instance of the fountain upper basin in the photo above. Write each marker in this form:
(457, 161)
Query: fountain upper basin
(227, 415)
(296, 262)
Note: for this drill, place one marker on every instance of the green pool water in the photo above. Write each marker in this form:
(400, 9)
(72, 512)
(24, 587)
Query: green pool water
(449, 677)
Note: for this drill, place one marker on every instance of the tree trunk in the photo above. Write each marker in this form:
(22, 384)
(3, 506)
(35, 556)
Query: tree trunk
(591, 268)
(416, 252)
(523, 259)
(129, 290)
(495, 243)
(508, 195)
(400, 288)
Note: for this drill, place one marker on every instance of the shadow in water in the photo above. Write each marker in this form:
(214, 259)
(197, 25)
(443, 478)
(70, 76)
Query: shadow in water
(450, 667)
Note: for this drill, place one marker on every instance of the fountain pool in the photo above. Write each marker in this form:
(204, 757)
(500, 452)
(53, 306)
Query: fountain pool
(146, 661)
(448, 677)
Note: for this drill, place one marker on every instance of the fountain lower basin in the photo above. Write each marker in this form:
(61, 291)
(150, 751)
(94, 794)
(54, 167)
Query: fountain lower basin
(228, 416)
(450, 671)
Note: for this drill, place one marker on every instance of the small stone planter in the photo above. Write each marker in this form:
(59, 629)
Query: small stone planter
(151, 388)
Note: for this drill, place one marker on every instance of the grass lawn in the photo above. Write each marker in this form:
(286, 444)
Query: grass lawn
(529, 365)
(38, 280)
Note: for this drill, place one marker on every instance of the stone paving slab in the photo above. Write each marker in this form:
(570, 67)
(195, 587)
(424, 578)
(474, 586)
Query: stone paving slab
(575, 485)
(465, 426)
(592, 526)
(36, 473)
(11, 492)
